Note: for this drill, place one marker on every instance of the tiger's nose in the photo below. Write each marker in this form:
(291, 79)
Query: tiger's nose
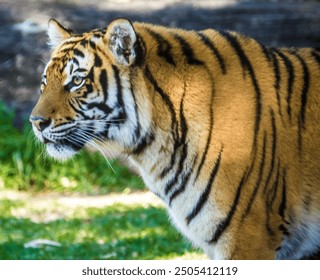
(39, 122)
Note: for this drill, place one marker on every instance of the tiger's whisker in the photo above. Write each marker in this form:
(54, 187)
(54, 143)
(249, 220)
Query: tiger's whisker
(88, 140)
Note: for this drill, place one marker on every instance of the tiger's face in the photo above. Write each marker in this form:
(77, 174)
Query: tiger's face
(86, 93)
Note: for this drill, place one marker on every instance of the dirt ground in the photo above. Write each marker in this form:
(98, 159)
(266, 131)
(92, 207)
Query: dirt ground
(23, 23)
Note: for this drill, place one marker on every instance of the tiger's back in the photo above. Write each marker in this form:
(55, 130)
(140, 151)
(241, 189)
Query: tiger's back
(223, 129)
(262, 112)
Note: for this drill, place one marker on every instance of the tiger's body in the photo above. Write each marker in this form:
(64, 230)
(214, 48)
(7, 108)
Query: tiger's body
(224, 130)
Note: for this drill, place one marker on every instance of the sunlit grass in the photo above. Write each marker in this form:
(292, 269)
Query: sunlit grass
(114, 232)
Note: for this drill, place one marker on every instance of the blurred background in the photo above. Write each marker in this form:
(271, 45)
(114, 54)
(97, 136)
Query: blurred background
(84, 209)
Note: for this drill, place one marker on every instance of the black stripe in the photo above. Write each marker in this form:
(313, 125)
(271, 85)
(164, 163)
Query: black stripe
(137, 127)
(174, 179)
(171, 183)
(139, 49)
(77, 110)
(187, 51)
(284, 230)
(103, 80)
(234, 43)
(68, 87)
(283, 203)
(204, 196)
(75, 61)
(266, 52)
(164, 47)
(274, 148)
(144, 142)
(78, 53)
(259, 179)
(273, 191)
(97, 61)
(81, 70)
(83, 101)
(223, 225)
(62, 124)
(305, 89)
(90, 75)
(100, 106)
(206, 149)
(71, 69)
(118, 119)
(303, 98)
(269, 202)
(69, 45)
(184, 150)
(63, 65)
(89, 89)
(182, 187)
(174, 127)
(66, 50)
(277, 79)
(184, 182)
(80, 104)
(214, 51)
(99, 33)
(291, 77)
(119, 92)
(246, 65)
(92, 45)
(316, 56)
(164, 97)
(183, 157)
(84, 43)
(176, 145)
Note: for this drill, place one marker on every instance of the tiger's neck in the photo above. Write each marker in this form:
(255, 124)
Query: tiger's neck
(165, 164)
(167, 154)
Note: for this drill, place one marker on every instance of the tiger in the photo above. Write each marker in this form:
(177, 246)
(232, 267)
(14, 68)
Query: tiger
(223, 129)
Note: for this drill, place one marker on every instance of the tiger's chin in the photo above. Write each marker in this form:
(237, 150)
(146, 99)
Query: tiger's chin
(61, 152)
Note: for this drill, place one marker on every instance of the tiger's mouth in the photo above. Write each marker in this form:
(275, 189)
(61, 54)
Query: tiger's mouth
(62, 149)
(62, 142)
(66, 141)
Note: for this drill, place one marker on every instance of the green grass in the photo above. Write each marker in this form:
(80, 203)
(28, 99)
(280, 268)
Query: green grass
(114, 232)
(24, 166)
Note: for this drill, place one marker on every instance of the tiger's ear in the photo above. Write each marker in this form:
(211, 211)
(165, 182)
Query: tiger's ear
(121, 38)
(57, 33)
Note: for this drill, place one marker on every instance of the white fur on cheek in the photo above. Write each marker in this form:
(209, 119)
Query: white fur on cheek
(37, 133)
(60, 152)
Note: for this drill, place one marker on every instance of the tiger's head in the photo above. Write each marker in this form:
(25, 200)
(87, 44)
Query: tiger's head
(88, 89)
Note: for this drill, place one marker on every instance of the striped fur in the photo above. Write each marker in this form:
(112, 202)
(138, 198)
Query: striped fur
(224, 130)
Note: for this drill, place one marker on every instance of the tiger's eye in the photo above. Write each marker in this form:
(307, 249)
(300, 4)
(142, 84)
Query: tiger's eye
(76, 80)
